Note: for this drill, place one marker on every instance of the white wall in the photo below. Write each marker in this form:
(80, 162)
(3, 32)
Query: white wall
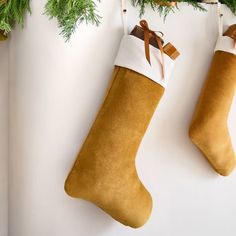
(56, 91)
(3, 137)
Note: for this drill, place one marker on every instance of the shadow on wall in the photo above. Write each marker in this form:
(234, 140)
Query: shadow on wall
(93, 219)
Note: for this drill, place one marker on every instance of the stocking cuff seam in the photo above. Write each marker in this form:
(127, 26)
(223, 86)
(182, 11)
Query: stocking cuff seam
(226, 44)
(131, 55)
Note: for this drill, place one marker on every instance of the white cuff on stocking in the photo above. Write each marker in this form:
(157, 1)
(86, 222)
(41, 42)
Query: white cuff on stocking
(226, 44)
(131, 55)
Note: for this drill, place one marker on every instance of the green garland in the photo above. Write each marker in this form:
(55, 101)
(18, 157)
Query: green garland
(163, 8)
(70, 13)
(12, 12)
(231, 5)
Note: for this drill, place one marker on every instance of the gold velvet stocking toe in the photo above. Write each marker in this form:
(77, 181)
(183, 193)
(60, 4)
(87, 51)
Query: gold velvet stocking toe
(209, 131)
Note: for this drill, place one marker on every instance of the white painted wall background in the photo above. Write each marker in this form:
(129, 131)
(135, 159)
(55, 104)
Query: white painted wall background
(3, 137)
(55, 92)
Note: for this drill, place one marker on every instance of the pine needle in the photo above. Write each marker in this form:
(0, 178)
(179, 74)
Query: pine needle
(162, 9)
(13, 12)
(231, 5)
(70, 13)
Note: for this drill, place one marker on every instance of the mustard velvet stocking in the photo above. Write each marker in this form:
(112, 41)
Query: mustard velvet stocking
(209, 131)
(104, 172)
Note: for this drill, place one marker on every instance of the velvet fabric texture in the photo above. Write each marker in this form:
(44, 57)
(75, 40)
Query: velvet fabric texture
(208, 130)
(104, 172)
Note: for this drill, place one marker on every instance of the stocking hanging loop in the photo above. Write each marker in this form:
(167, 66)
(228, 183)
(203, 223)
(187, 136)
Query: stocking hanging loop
(220, 19)
(124, 16)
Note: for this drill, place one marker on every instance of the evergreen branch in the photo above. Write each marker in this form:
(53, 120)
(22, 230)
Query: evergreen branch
(13, 12)
(70, 13)
(231, 5)
(161, 6)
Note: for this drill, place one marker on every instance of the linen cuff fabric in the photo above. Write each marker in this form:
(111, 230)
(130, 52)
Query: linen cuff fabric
(225, 44)
(131, 56)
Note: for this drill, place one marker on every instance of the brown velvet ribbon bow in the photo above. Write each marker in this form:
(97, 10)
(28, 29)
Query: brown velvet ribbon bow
(150, 33)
